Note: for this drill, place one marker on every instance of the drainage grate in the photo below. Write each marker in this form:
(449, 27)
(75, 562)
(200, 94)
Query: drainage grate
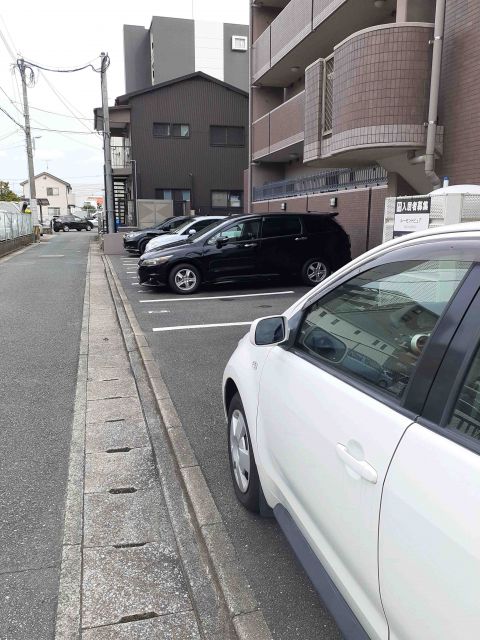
(119, 450)
(129, 545)
(138, 616)
(122, 490)
(116, 420)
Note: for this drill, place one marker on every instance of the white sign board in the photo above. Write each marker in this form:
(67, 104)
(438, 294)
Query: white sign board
(411, 214)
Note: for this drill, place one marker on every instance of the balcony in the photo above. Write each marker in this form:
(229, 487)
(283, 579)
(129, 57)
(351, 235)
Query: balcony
(121, 160)
(278, 136)
(370, 100)
(306, 30)
(323, 182)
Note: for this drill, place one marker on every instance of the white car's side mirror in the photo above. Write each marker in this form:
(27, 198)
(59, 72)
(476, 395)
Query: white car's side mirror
(268, 331)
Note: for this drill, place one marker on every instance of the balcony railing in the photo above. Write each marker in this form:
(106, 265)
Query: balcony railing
(324, 181)
(121, 157)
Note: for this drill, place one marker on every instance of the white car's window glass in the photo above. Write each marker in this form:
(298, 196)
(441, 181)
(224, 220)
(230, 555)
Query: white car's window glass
(242, 231)
(375, 326)
(201, 224)
(466, 413)
(182, 227)
(275, 226)
(199, 235)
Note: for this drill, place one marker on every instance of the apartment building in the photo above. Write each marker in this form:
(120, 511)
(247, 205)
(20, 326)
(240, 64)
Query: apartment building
(184, 140)
(340, 94)
(175, 47)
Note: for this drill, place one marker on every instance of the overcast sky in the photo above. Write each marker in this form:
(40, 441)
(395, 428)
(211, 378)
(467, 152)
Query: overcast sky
(55, 33)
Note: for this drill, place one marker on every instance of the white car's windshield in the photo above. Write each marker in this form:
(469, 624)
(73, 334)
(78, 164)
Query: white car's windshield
(183, 226)
(195, 237)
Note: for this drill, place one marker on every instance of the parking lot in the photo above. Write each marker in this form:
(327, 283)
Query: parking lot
(192, 338)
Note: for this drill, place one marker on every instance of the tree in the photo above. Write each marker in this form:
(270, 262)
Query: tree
(6, 194)
(88, 207)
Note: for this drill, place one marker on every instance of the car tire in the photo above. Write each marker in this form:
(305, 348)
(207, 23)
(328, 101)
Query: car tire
(184, 279)
(142, 245)
(89, 227)
(66, 227)
(246, 482)
(314, 271)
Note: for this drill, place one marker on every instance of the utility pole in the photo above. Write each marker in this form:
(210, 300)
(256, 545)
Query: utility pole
(109, 205)
(28, 137)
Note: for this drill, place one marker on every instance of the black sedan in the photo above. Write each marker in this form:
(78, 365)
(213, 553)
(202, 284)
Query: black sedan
(136, 241)
(66, 223)
(309, 246)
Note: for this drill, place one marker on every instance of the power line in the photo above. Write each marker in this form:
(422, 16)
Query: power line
(7, 46)
(64, 70)
(8, 135)
(56, 113)
(65, 103)
(17, 146)
(10, 37)
(80, 133)
(11, 118)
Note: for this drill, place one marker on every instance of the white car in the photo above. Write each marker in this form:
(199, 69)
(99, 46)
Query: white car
(355, 416)
(183, 232)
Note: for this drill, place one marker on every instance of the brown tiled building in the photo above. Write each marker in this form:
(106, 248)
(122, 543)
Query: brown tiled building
(340, 94)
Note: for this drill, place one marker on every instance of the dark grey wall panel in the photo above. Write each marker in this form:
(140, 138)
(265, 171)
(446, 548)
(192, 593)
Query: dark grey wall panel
(167, 162)
(173, 47)
(235, 63)
(136, 46)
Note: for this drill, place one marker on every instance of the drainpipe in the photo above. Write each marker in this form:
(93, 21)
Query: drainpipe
(434, 91)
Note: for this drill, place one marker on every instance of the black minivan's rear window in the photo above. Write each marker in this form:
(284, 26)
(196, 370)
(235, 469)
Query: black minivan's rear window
(283, 225)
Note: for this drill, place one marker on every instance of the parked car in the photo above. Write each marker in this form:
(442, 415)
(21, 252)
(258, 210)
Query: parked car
(188, 228)
(309, 246)
(65, 223)
(355, 417)
(138, 240)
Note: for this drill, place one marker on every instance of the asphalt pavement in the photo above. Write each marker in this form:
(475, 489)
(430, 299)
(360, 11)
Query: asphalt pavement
(41, 300)
(192, 356)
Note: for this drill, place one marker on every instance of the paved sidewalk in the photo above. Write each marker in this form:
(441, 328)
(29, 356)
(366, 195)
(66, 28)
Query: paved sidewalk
(41, 301)
(122, 576)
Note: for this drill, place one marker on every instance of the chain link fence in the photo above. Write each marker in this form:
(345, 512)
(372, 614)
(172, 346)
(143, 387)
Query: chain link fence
(13, 223)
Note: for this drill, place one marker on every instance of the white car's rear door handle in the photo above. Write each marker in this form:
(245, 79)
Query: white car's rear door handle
(365, 470)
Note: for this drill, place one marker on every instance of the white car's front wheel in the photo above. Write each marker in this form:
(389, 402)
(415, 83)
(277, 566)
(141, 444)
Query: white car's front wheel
(242, 461)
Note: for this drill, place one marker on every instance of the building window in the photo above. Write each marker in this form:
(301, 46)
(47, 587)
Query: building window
(52, 191)
(227, 136)
(53, 211)
(170, 130)
(239, 43)
(328, 95)
(226, 199)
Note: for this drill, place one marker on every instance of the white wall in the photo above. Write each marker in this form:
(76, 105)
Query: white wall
(209, 48)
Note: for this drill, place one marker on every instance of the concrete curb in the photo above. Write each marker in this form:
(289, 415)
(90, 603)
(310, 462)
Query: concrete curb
(68, 619)
(248, 620)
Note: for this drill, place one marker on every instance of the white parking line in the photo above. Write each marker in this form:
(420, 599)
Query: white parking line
(202, 326)
(160, 311)
(52, 255)
(131, 272)
(240, 295)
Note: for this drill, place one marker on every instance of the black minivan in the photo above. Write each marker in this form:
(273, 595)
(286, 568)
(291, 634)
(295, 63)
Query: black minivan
(310, 246)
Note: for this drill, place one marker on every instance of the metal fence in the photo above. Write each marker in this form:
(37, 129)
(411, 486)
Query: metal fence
(121, 157)
(13, 223)
(324, 181)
